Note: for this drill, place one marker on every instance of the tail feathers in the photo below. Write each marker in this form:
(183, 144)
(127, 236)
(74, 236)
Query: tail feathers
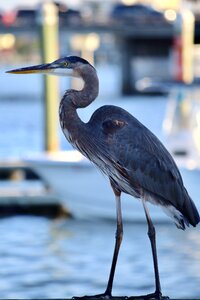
(179, 219)
(185, 215)
(190, 212)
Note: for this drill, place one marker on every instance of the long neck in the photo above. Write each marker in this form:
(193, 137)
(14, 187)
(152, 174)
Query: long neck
(70, 122)
(90, 89)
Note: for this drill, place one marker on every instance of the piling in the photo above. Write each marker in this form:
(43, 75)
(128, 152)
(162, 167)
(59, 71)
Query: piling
(49, 40)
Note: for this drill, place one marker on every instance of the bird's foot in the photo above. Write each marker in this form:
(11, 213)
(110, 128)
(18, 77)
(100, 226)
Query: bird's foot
(152, 296)
(93, 297)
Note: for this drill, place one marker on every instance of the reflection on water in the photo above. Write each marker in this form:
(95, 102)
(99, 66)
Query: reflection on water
(41, 258)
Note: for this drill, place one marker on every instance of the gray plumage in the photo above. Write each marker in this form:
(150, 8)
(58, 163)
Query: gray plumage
(132, 157)
(144, 166)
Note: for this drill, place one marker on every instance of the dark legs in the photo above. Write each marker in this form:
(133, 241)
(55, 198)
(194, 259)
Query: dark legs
(152, 237)
(119, 236)
(118, 239)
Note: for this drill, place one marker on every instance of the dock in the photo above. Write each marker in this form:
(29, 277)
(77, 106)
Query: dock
(23, 192)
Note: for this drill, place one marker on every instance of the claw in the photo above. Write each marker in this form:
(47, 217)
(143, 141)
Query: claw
(153, 296)
(156, 296)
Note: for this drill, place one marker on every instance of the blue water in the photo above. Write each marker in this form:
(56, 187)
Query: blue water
(42, 258)
(51, 259)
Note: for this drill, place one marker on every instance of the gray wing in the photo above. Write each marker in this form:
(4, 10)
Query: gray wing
(149, 164)
(137, 154)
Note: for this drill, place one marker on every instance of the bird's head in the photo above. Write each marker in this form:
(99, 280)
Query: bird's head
(67, 66)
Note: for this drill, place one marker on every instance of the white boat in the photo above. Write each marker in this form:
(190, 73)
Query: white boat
(86, 192)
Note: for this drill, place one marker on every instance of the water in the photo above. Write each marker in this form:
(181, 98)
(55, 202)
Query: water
(42, 258)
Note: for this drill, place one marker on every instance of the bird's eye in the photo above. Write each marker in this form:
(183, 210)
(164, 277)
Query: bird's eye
(65, 64)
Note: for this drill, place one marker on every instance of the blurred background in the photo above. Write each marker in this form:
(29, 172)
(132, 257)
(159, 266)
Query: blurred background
(57, 211)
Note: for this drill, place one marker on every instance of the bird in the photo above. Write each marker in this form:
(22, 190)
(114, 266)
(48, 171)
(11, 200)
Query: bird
(128, 153)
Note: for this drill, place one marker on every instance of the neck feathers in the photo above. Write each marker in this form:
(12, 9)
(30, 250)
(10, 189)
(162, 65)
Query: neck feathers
(90, 90)
(70, 122)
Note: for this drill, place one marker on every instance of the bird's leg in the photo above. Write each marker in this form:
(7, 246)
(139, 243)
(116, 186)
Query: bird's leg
(152, 237)
(119, 236)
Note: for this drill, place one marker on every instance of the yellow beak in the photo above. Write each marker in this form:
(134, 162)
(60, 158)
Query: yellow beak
(43, 69)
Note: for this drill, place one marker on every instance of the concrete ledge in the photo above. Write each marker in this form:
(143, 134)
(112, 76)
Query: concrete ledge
(143, 297)
(112, 298)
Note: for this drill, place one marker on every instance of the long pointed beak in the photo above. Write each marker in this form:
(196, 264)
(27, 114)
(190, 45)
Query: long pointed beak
(43, 69)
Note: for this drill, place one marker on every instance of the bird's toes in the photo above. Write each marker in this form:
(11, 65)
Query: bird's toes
(94, 297)
(156, 296)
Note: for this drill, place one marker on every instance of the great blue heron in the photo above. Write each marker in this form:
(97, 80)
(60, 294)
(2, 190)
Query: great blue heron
(132, 157)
